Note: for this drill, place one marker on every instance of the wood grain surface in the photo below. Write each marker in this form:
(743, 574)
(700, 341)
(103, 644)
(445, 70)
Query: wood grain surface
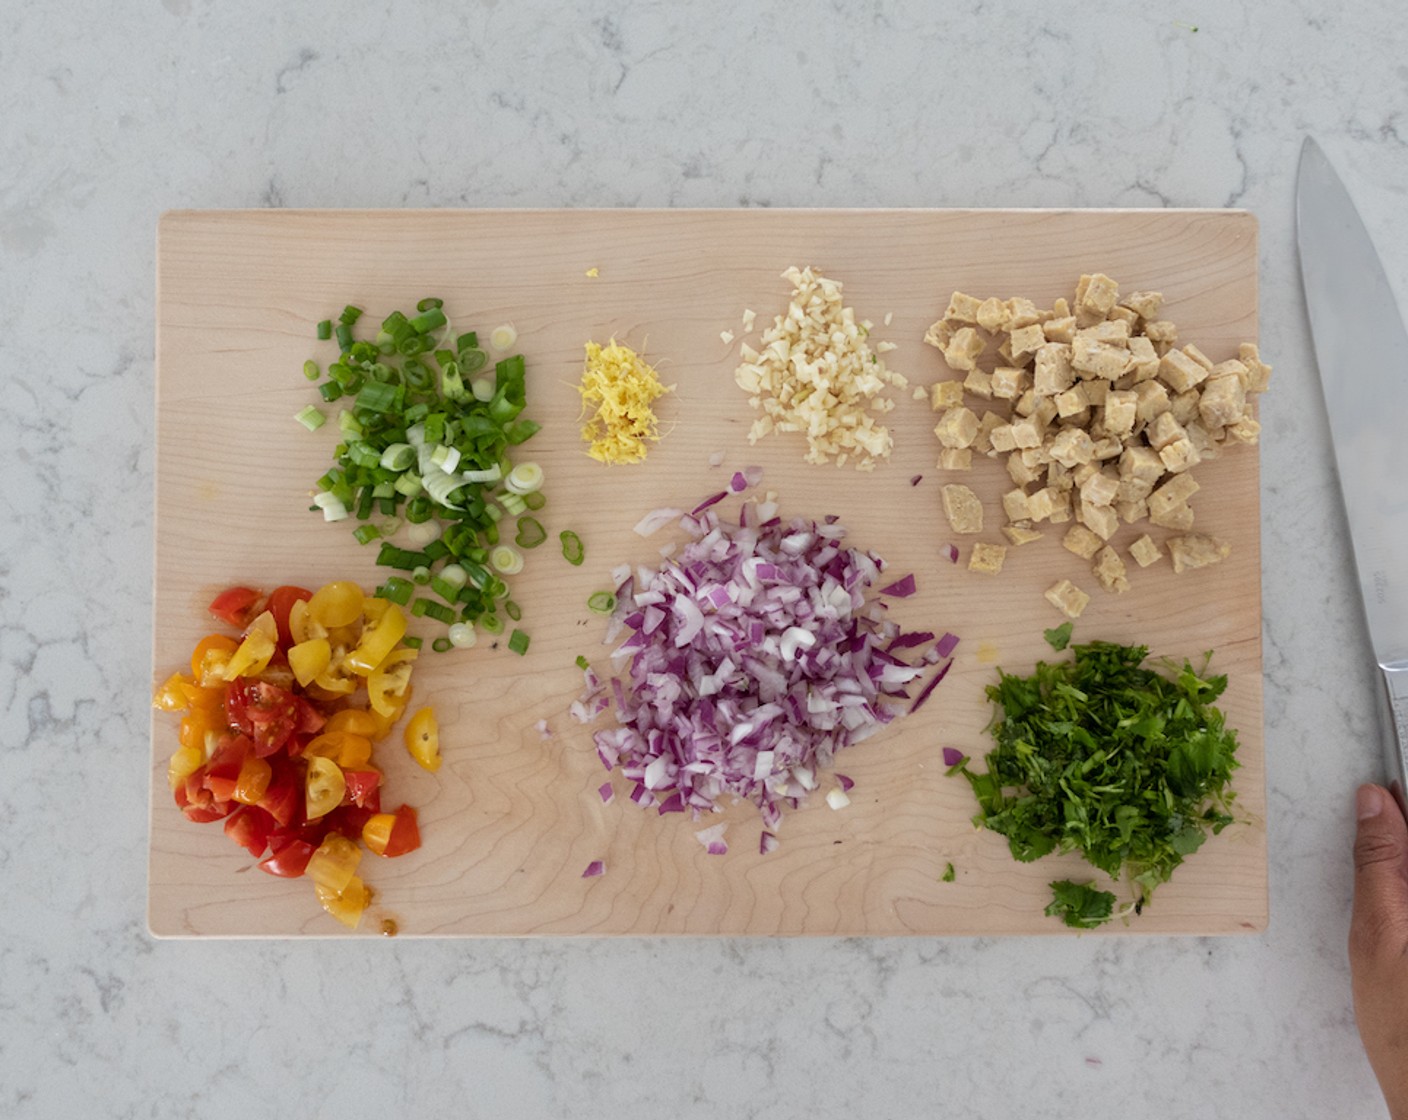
(511, 820)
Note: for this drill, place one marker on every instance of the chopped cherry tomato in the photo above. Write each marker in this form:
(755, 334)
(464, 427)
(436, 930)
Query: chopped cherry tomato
(290, 858)
(336, 604)
(335, 863)
(363, 788)
(348, 904)
(284, 798)
(222, 772)
(423, 739)
(392, 834)
(325, 786)
(267, 713)
(281, 601)
(253, 781)
(236, 605)
(249, 827)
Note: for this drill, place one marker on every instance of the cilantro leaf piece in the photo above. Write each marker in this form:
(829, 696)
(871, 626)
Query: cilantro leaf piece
(948, 875)
(1102, 755)
(1080, 905)
(1060, 637)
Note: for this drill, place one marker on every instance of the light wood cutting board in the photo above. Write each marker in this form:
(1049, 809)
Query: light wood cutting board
(511, 820)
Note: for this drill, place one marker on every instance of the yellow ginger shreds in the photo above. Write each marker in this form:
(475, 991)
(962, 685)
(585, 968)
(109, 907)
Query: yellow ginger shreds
(621, 386)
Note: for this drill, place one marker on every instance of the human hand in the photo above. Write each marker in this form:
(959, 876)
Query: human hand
(1378, 941)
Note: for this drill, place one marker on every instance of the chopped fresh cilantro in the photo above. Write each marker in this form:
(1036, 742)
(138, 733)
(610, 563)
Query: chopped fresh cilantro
(1080, 905)
(948, 875)
(1059, 638)
(1101, 755)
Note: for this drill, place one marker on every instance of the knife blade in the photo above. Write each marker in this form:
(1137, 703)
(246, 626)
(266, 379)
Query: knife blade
(1361, 348)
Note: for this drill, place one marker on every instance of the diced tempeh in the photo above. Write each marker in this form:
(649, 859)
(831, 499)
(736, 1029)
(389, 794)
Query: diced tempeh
(1101, 520)
(987, 558)
(1175, 492)
(956, 459)
(1178, 517)
(946, 394)
(963, 509)
(1198, 356)
(1113, 331)
(1258, 372)
(957, 427)
(962, 308)
(1109, 569)
(1151, 400)
(1069, 599)
(1121, 407)
(1179, 455)
(939, 335)
(963, 349)
(1145, 551)
(1053, 371)
(1009, 382)
(1021, 534)
(1145, 358)
(1072, 447)
(1060, 329)
(1164, 431)
(1197, 550)
(1021, 312)
(1132, 511)
(1180, 372)
(1015, 505)
(1099, 359)
(992, 314)
(1082, 542)
(1072, 402)
(1146, 304)
(1223, 401)
(1026, 340)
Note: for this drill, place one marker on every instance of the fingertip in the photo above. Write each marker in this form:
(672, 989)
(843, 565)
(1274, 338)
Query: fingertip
(1368, 801)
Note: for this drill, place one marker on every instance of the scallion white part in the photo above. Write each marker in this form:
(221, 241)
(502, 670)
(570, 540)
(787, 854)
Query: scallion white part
(525, 478)
(488, 474)
(310, 418)
(446, 458)
(482, 388)
(503, 337)
(506, 560)
(440, 486)
(454, 575)
(333, 509)
(398, 456)
(462, 635)
(423, 533)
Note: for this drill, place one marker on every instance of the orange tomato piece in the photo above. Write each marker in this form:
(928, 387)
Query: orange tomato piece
(423, 739)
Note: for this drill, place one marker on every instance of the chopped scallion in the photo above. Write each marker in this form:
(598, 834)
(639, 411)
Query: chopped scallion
(518, 642)
(572, 549)
(530, 533)
(324, 330)
(601, 602)
(310, 418)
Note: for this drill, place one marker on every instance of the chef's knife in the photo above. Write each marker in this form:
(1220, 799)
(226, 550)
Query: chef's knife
(1361, 348)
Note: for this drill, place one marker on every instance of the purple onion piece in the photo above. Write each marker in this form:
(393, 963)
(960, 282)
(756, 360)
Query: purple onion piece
(595, 868)
(952, 756)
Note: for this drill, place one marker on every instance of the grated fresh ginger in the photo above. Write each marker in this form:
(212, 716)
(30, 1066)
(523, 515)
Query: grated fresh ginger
(621, 386)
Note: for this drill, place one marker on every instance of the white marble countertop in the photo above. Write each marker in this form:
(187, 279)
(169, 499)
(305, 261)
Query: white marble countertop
(108, 119)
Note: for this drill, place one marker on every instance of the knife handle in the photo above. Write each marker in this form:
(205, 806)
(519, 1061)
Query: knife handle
(1395, 677)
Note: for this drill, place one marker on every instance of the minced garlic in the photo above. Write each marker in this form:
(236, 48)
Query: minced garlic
(620, 387)
(814, 372)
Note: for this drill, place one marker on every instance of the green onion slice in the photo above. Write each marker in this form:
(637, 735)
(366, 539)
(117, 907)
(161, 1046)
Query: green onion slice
(572, 548)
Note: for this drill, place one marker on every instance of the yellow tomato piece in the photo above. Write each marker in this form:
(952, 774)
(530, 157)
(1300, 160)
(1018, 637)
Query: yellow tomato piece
(379, 637)
(395, 708)
(348, 905)
(253, 781)
(355, 720)
(301, 626)
(309, 660)
(184, 762)
(252, 658)
(336, 604)
(374, 608)
(334, 865)
(376, 833)
(222, 645)
(389, 680)
(349, 751)
(324, 788)
(423, 739)
(170, 696)
(198, 724)
(264, 623)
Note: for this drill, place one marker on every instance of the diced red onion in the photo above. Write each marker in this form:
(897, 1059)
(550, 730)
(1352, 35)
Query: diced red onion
(845, 783)
(952, 756)
(595, 868)
(901, 588)
(755, 657)
(947, 644)
(543, 729)
(753, 475)
(656, 520)
(928, 688)
(713, 839)
(915, 480)
(716, 459)
(738, 483)
(837, 799)
(950, 553)
(767, 842)
(713, 499)
(606, 792)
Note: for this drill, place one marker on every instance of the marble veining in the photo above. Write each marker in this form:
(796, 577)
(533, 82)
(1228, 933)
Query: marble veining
(106, 120)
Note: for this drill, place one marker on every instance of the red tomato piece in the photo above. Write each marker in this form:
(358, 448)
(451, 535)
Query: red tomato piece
(363, 789)
(222, 772)
(249, 827)
(283, 800)
(405, 833)
(349, 820)
(281, 601)
(235, 605)
(268, 714)
(290, 857)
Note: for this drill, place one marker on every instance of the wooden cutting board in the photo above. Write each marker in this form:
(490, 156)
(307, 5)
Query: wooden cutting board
(512, 819)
